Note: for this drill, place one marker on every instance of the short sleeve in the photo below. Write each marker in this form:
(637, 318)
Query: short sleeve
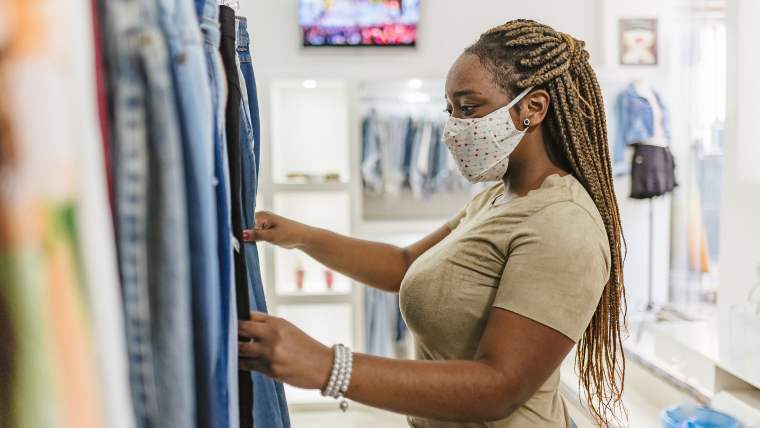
(557, 267)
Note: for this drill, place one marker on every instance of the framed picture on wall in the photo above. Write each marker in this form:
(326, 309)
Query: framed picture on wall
(638, 42)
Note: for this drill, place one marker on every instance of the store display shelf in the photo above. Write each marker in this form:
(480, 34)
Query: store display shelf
(339, 186)
(314, 298)
(373, 229)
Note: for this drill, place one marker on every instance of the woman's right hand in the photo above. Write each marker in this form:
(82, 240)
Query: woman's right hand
(277, 230)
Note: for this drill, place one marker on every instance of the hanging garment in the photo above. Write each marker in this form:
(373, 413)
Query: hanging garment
(151, 216)
(371, 162)
(226, 373)
(54, 368)
(233, 112)
(95, 234)
(194, 106)
(127, 91)
(636, 123)
(168, 254)
(652, 171)
(380, 327)
(270, 406)
(102, 98)
(401, 153)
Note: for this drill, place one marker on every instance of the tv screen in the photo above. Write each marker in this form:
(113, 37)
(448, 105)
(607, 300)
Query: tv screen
(359, 22)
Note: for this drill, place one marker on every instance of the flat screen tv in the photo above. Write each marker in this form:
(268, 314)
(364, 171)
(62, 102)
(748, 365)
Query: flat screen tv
(359, 22)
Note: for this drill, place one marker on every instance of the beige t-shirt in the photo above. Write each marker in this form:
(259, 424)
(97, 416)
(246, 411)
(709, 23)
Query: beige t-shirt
(544, 256)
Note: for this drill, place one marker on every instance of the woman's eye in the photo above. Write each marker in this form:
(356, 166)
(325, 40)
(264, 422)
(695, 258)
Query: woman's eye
(467, 110)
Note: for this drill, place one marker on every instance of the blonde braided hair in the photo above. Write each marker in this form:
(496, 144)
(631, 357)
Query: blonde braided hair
(525, 53)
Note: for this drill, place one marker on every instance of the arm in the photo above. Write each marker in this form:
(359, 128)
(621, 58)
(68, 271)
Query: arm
(378, 265)
(516, 356)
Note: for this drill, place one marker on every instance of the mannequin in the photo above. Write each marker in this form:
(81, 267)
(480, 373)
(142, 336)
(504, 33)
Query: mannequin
(645, 91)
(652, 168)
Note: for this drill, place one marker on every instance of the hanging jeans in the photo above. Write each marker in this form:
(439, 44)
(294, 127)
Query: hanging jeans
(122, 29)
(225, 377)
(168, 270)
(270, 406)
(194, 105)
(232, 126)
(380, 324)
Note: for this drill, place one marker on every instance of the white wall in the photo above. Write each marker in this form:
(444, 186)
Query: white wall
(740, 224)
(740, 229)
(446, 28)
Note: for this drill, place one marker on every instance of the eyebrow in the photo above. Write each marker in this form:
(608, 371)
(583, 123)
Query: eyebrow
(464, 92)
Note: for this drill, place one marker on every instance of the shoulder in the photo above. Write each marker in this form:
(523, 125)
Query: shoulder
(566, 222)
(485, 197)
(562, 201)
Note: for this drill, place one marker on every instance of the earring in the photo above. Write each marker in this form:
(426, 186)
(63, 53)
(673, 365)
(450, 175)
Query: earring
(526, 122)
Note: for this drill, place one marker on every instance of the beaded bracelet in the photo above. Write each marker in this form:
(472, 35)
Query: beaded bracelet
(340, 376)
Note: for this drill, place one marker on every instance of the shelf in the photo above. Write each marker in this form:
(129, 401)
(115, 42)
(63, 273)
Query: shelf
(405, 206)
(310, 128)
(314, 298)
(375, 229)
(311, 187)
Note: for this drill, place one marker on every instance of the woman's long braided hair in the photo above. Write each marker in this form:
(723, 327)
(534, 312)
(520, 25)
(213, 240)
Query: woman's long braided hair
(524, 53)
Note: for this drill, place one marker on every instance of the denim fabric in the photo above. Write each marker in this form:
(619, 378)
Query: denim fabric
(194, 105)
(635, 123)
(168, 270)
(270, 406)
(122, 30)
(225, 377)
(232, 127)
(246, 66)
(380, 310)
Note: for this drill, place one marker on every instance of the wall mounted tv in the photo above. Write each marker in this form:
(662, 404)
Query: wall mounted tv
(359, 22)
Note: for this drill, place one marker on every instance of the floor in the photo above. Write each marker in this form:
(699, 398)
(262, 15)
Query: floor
(364, 418)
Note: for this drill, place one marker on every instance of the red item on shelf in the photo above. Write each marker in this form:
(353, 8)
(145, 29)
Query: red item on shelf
(300, 273)
(329, 278)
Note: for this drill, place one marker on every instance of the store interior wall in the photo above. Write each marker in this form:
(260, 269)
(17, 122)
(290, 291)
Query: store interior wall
(740, 237)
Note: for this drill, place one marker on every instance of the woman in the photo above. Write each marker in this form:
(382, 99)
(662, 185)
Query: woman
(497, 297)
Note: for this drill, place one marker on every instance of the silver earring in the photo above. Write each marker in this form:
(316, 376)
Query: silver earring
(526, 122)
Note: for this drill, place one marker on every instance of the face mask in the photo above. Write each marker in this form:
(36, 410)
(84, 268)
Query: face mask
(481, 147)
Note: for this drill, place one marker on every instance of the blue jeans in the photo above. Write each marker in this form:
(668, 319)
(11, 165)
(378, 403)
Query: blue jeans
(225, 378)
(270, 406)
(130, 150)
(194, 105)
(168, 270)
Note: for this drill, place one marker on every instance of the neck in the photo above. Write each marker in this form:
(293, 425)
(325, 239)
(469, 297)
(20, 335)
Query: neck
(522, 177)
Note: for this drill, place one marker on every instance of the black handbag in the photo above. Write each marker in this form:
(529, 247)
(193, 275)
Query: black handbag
(652, 171)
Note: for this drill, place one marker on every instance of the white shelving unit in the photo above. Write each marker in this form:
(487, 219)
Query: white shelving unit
(310, 134)
(315, 129)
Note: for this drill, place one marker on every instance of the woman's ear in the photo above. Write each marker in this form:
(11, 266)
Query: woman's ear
(534, 107)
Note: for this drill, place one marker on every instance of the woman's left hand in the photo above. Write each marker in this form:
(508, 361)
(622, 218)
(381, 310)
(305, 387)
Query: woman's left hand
(282, 351)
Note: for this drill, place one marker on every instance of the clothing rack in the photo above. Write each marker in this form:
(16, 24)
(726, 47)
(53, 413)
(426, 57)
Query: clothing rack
(125, 305)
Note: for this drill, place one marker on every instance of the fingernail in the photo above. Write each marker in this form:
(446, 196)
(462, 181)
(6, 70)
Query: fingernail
(245, 235)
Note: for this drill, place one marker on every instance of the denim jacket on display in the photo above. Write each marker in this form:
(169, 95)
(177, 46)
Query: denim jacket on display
(635, 123)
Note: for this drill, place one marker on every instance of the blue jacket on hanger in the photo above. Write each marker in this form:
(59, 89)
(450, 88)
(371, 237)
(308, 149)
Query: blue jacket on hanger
(635, 121)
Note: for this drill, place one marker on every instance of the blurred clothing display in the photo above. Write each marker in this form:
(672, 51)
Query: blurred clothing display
(642, 117)
(406, 153)
(384, 326)
(652, 171)
(116, 217)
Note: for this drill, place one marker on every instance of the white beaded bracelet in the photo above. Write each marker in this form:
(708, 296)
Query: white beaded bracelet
(340, 376)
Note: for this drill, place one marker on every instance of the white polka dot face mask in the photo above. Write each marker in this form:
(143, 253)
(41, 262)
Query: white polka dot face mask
(481, 147)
